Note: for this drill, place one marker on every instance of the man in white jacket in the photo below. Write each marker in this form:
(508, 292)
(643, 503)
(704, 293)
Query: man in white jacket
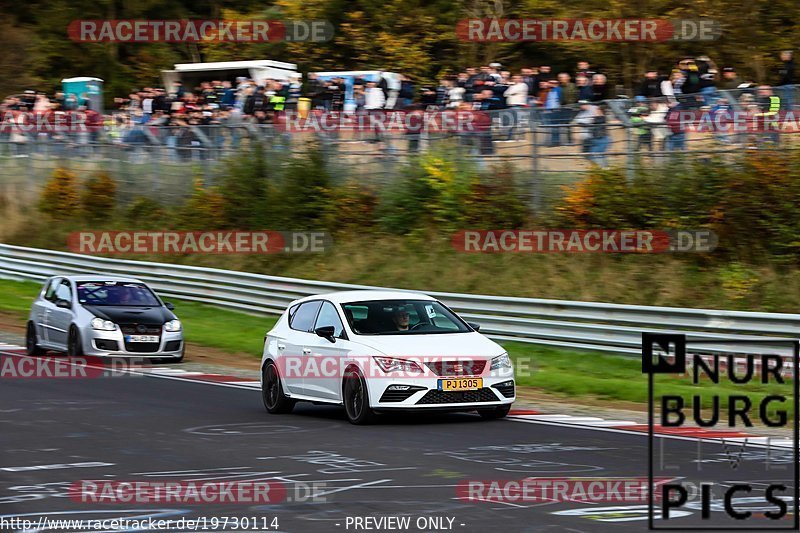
(516, 97)
(373, 96)
(517, 94)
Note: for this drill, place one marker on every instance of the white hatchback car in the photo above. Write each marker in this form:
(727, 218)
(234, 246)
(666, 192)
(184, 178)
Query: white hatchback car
(375, 351)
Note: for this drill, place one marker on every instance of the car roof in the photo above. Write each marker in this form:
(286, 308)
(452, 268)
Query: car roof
(340, 297)
(100, 277)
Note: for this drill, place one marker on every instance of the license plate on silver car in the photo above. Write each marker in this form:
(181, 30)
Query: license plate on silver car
(141, 338)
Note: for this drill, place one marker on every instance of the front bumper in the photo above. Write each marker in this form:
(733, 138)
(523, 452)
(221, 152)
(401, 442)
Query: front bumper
(424, 394)
(112, 344)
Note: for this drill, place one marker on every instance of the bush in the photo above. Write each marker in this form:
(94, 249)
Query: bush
(246, 191)
(495, 201)
(430, 197)
(60, 199)
(304, 198)
(99, 197)
(145, 212)
(204, 210)
(441, 194)
(353, 209)
(750, 202)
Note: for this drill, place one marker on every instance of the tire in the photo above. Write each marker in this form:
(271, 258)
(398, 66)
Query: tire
(74, 346)
(494, 413)
(32, 342)
(275, 401)
(356, 399)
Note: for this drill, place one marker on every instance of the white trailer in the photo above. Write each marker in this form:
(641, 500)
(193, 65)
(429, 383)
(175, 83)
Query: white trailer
(191, 74)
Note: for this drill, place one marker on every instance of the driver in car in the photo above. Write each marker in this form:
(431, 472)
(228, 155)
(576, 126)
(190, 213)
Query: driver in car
(400, 319)
(123, 296)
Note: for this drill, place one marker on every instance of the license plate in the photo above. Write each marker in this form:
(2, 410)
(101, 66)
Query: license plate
(142, 338)
(460, 384)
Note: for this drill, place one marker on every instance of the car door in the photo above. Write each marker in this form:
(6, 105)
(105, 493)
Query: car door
(324, 376)
(42, 307)
(58, 318)
(293, 354)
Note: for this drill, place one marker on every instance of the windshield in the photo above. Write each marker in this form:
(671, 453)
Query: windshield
(402, 317)
(116, 293)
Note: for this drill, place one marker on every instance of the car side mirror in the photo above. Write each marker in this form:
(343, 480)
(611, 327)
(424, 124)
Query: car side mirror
(63, 304)
(169, 305)
(326, 332)
(475, 326)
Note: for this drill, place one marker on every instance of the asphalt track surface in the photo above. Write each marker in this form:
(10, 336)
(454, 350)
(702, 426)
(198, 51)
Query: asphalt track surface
(149, 428)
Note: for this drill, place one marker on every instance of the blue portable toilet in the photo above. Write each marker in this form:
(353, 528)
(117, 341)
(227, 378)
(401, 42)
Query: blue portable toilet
(83, 91)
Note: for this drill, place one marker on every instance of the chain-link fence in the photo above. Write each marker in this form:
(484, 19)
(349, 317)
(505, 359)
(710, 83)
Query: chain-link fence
(546, 149)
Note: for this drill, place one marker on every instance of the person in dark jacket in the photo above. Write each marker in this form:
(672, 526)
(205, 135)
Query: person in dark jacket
(650, 86)
(228, 99)
(335, 92)
(584, 86)
(428, 97)
(470, 84)
(730, 80)
(543, 75)
(786, 78)
(256, 102)
(315, 90)
(488, 100)
(599, 88)
(406, 95)
(786, 71)
(584, 69)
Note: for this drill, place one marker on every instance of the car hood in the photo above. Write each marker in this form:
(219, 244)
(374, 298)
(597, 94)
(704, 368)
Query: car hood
(151, 316)
(446, 344)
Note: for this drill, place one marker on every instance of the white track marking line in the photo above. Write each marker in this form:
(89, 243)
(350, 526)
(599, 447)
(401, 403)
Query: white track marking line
(359, 486)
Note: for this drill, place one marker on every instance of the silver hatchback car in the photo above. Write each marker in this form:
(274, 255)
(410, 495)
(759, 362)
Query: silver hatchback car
(99, 315)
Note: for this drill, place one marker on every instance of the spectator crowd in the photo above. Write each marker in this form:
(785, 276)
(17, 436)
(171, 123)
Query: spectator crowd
(182, 117)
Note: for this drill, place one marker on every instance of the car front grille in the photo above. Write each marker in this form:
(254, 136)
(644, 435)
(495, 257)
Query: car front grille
(457, 367)
(142, 347)
(472, 396)
(399, 395)
(506, 388)
(140, 329)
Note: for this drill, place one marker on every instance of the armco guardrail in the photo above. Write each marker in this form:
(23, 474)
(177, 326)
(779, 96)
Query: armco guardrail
(581, 325)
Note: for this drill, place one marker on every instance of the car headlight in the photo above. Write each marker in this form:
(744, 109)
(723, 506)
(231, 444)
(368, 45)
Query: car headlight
(390, 364)
(103, 325)
(501, 361)
(172, 325)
